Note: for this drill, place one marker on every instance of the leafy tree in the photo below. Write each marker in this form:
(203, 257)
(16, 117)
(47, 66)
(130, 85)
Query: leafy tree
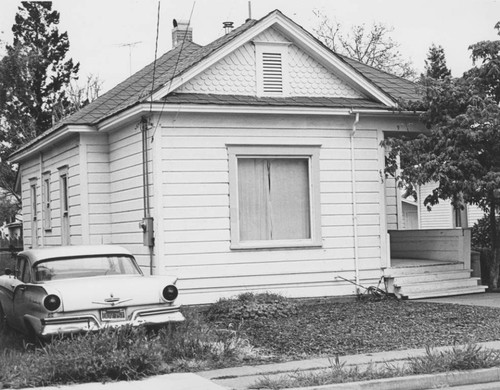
(371, 45)
(34, 74)
(461, 153)
(435, 65)
(8, 208)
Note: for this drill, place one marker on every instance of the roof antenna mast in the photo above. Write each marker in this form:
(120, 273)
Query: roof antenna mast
(249, 10)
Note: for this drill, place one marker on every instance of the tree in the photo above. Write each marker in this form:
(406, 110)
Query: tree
(34, 74)
(371, 45)
(435, 65)
(461, 153)
(79, 96)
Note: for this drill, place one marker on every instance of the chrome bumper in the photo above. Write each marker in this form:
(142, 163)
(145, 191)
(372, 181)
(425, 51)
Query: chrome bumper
(79, 324)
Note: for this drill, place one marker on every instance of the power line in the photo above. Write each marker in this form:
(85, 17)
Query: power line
(173, 75)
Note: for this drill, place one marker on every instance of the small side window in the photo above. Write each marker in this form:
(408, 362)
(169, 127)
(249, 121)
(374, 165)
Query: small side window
(23, 270)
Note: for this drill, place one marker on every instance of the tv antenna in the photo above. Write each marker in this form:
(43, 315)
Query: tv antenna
(130, 46)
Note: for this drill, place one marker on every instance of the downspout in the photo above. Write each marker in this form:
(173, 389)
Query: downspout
(355, 203)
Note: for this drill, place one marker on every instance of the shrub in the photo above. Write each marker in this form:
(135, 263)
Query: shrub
(480, 233)
(250, 306)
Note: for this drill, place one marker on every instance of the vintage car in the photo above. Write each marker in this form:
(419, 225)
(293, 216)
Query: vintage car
(60, 290)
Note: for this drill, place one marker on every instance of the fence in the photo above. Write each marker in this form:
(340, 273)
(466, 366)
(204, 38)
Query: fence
(11, 244)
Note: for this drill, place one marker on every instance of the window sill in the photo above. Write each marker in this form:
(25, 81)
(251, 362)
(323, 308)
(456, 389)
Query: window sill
(295, 244)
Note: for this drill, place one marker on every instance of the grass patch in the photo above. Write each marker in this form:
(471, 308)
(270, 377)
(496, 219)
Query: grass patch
(119, 354)
(251, 329)
(457, 359)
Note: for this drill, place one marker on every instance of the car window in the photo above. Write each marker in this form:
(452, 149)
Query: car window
(23, 270)
(81, 267)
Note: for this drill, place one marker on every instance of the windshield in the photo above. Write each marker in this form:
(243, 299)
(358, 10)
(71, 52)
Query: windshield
(84, 267)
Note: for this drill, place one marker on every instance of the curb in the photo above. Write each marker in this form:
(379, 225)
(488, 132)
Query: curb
(417, 382)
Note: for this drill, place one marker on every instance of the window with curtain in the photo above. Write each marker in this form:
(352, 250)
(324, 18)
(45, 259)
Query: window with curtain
(274, 198)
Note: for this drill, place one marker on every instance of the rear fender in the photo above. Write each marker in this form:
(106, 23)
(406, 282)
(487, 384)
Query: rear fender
(33, 324)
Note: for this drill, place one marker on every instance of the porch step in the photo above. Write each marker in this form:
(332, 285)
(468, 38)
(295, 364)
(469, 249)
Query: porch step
(451, 284)
(432, 277)
(445, 293)
(423, 269)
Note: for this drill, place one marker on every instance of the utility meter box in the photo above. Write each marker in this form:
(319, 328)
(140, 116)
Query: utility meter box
(147, 231)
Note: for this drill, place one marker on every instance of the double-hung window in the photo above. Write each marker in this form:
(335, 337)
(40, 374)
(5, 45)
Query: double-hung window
(34, 212)
(274, 196)
(64, 205)
(47, 202)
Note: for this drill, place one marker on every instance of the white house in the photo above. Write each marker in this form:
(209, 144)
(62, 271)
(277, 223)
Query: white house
(250, 164)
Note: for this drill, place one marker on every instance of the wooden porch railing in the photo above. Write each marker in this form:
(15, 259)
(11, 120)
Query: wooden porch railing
(432, 244)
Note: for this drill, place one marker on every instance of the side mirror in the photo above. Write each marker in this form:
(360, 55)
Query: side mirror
(8, 271)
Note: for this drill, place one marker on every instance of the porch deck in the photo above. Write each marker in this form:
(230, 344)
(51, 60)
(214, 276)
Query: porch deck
(404, 263)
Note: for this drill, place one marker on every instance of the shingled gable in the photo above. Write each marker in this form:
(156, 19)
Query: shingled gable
(189, 59)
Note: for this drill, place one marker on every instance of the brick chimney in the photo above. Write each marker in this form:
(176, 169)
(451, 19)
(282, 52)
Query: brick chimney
(181, 32)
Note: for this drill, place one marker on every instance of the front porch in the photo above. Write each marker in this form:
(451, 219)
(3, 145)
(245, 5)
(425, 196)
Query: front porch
(430, 263)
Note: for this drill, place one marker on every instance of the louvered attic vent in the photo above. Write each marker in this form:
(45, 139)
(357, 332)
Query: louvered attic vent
(272, 73)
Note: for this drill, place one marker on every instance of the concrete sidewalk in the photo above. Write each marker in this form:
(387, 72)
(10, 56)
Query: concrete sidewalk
(239, 378)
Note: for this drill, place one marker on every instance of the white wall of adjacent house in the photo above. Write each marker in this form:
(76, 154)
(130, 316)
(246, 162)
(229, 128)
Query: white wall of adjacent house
(38, 229)
(441, 215)
(196, 206)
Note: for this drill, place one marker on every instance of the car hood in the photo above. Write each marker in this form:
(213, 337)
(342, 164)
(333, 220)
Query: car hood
(108, 291)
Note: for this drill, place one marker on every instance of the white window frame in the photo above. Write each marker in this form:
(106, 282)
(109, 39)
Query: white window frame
(64, 205)
(47, 202)
(34, 212)
(309, 152)
(277, 48)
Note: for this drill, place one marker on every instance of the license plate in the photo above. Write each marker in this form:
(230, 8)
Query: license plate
(113, 314)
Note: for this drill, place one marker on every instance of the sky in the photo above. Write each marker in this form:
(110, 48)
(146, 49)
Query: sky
(114, 38)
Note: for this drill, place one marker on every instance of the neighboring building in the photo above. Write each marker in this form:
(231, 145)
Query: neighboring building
(264, 167)
(443, 215)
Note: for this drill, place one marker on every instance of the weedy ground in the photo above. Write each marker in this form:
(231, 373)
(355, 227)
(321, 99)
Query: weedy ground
(249, 329)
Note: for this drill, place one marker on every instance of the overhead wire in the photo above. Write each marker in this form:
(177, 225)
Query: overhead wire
(173, 75)
(156, 57)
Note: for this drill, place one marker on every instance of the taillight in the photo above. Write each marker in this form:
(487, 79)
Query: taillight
(170, 292)
(52, 302)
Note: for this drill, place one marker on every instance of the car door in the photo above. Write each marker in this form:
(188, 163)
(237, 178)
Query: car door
(11, 290)
(23, 299)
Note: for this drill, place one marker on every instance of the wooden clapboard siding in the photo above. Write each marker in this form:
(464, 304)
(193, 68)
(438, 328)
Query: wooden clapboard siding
(30, 169)
(62, 154)
(440, 216)
(195, 191)
(474, 213)
(391, 200)
(126, 191)
(98, 182)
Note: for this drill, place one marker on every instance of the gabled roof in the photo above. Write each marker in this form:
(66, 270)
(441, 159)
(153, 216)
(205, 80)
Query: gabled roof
(139, 87)
(397, 87)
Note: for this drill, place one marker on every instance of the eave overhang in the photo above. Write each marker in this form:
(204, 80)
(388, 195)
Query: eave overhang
(139, 110)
